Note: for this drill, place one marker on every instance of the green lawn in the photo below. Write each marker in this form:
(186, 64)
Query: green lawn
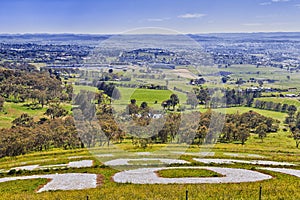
(14, 110)
(147, 95)
(276, 115)
(77, 88)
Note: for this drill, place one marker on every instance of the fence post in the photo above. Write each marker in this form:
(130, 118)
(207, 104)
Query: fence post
(260, 192)
(186, 195)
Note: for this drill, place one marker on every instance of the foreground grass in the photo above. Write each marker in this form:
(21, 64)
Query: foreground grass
(22, 186)
(281, 187)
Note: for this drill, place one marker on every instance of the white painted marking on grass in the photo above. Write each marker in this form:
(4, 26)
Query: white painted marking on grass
(81, 164)
(293, 172)
(73, 164)
(124, 161)
(194, 154)
(148, 176)
(76, 157)
(255, 156)
(72, 181)
(243, 155)
(28, 167)
(143, 153)
(105, 155)
(231, 154)
(267, 162)
(232, 161)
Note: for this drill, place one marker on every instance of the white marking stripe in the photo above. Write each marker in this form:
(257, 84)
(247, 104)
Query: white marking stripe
(71, 181)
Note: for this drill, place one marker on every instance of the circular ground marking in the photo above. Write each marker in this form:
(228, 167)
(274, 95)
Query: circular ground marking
(293, 172)
(149, 176)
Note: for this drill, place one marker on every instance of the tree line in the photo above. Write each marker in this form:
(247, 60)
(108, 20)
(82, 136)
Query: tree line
(219, 97)
(293, 120)
(27, 135)
(278, 107)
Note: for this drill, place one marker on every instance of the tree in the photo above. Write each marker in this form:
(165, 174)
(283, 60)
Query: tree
(224, 79)
(23, 121)
(295, 129)
(292, 110)
(2, 100)
(144, 110)
(243, 133)
(166, 104)
(132, 108)
(56, 111)
(261, 130)
(284, 107)
(192, 100)
(174, 100)
(260, 83)
(69, 91)
(296, 136)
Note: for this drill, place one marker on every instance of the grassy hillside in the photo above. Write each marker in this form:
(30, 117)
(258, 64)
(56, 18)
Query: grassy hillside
(14, 110)
(289, 101)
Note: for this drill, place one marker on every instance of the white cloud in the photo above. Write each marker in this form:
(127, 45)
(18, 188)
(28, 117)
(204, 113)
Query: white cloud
(157, 19)
(297, 5)
(272, 1)
(192, 15)
(280, 1)
(265, 3)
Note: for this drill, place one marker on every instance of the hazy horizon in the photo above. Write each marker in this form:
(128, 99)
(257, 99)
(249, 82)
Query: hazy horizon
(204, 33)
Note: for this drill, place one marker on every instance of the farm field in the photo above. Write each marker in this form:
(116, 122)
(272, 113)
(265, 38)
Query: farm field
(289, 101)
(149, 96)
(250, 71)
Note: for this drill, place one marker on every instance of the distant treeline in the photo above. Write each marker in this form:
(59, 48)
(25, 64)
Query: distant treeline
(269, 105)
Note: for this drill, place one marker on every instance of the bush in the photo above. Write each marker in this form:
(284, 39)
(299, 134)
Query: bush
(12, 172)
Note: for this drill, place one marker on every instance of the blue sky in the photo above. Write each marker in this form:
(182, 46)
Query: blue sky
(117, 16)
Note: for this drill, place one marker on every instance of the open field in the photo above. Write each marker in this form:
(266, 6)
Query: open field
(147, 95)
(77, 88)
(14, 110)
(289, 101)
(276, 115)
(250, 71)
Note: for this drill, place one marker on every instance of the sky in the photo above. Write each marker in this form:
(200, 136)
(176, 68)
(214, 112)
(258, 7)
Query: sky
(122, 16)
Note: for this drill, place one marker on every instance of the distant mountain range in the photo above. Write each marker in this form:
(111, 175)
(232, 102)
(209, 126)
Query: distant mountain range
(75, 38)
